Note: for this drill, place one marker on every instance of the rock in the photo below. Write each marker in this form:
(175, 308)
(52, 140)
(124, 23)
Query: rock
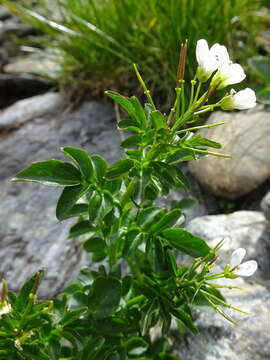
(265, 205)
(247, 229)
(4, 12)
(38, 64)
(218, 339)
(31, 237)
(245, 136)
(16, 87)
(29, 109)
(14, 26)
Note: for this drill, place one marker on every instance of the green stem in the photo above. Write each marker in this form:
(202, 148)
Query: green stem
(199, 127)
(208, 152)
(146, 91)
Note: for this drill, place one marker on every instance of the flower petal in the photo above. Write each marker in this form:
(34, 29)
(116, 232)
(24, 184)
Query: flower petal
(220, 53)
(202, 51)
(248, 268)
(233, 73)
(244, 99)
(237, 257)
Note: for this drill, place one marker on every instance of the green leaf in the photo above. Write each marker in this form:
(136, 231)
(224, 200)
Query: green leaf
(198, 140)
(92, 348)
(51, 172)
(180, 156)
(133, 239)
(94, 244)
(182, 315)
(119, 168)
(261, 66)
(110, 326)
(131, 141)
(159, 256)
(82, 227)
(139, 112)
(136, 346)
(29, 287)
(82, 160)
(67, 200)
(166, 221)
(158, 120)
(185, 242)
(129, 125)
(100, 167)
(71, 316)
(122, 101)
(77, 210)
(149, 216)
(105, 298)
(100, 204)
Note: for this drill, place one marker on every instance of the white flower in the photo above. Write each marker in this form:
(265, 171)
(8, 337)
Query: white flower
(238, 268)
(228, 74)
(209, 59)
(241, 100)
(5, 308)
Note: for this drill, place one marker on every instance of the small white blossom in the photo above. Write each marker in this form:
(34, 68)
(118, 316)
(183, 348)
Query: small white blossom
(238, 268)
(209, 59)
(5, 308)
(228, 74)
(241, 100)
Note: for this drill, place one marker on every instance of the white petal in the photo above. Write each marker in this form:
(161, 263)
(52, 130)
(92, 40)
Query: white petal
(248, 268)
(244, 99)
(220, 53)
(233, 73)
(237, 257)
(202, 51)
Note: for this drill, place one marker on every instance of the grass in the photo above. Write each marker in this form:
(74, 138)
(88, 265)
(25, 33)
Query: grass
(101, 39)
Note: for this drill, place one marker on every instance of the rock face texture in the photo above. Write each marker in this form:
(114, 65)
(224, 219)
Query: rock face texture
(265, 205)
(245, 136)
(250, 339)
(31, 237)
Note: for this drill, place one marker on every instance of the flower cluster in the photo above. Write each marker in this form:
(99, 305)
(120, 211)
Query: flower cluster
(237, 268)
(216, 61)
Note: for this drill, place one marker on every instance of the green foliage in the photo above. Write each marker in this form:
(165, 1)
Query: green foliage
(100, 40)
(260, 66)
(107, 314)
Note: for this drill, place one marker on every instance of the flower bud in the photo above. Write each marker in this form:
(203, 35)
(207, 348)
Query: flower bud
(242, 100)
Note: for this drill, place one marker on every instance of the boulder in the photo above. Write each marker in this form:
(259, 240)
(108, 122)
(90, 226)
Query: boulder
(31, 237)
(250, 339)
(265, 205)
(246, 136)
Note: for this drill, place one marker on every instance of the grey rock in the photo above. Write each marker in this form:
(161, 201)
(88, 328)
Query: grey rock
(4, 12)
(38, 63)
(220, 340)
(245, 136)
(29, 109)
(265, 205)
(14, 26)
(31, 237)
(247, 229)
(15, 87)
(250, 339)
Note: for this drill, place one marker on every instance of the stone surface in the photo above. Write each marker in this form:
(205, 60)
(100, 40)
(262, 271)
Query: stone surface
(15, 87)
(250, 339)
(29, 109)
(245, 136)
(265, 205)
(39, 64)
(31, 237)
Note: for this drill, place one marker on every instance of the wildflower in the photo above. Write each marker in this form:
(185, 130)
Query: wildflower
(209, 59)
(228, 74)
(241, 100)
(237, 268)
(5, 308)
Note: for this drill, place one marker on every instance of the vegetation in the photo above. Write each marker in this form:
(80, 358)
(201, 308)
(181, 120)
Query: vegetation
(109, 313)
(100, 40)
